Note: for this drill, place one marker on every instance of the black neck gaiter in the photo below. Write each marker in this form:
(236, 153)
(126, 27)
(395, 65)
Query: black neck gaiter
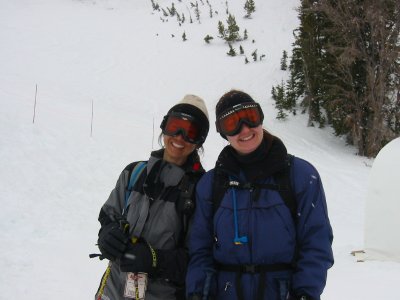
(250, 163)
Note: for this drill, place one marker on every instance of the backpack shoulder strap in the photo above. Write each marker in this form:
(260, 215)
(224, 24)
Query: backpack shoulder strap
(186, 202)
(219, 188)
(133, 176)
(283, 179)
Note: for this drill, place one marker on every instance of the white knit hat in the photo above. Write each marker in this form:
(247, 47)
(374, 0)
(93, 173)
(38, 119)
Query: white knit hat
(195, 101)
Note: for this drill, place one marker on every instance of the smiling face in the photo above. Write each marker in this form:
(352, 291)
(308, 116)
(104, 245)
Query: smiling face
(247, 140)
(177, 149)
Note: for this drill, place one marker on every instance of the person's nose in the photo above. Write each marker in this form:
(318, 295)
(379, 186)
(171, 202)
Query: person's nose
(245, 128)
(179, 137)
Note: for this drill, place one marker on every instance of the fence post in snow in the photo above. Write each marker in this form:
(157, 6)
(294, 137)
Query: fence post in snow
(91, 122)
(152, 139)
(34, 107)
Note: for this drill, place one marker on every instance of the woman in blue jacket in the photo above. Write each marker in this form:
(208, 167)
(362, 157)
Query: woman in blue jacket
(261, 228)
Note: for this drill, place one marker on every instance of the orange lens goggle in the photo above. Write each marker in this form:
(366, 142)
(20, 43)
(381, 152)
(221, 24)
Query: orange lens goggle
(230, 122)
(184, 124)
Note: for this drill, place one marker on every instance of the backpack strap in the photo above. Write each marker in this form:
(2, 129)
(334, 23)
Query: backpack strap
(186, 203)
(220, 185)
(134, 175)
(285, 189)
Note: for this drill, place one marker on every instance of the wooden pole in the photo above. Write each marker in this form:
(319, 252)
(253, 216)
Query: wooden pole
(91, 122)
(34, 107)
(152, 140)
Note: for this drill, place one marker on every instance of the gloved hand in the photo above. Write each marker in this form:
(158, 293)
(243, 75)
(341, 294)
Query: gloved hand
(112, 241)
(139, 257)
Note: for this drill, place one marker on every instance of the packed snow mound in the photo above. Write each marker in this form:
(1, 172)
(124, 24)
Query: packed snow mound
(382, 222)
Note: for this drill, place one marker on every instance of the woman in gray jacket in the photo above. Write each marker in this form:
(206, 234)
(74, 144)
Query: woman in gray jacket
(144, 222)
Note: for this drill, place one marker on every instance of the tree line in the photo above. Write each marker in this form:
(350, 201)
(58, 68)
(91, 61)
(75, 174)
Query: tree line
(344, 70)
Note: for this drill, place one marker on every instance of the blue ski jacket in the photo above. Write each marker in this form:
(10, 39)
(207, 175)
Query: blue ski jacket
(270, 234)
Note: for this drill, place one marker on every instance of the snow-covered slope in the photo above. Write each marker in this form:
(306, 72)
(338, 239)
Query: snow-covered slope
(120, 56)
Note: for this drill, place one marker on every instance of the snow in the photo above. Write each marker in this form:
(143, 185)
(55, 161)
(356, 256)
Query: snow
(383, 200)
(119, 54)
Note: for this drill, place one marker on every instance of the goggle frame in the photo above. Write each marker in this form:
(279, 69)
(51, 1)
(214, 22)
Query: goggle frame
(234, 110)
(184, 131)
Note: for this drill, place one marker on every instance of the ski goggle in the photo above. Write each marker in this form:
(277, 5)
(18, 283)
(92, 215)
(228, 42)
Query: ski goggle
(176, 123)
(231, 120)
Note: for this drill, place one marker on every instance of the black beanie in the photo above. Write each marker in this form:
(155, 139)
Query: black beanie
(230, 99)
(195, 107)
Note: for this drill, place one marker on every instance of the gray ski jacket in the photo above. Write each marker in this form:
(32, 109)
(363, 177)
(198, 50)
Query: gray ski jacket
(154, 212)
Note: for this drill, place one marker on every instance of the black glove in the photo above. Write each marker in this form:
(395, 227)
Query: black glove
(139, 257)
(112, 241)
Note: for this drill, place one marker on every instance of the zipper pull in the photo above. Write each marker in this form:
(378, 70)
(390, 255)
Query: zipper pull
(227, 285)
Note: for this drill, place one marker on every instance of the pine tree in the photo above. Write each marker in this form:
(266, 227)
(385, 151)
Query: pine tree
(246, 61)
(290, 96)
(208, 38)
(254, 54)
(232, 29)
(245, 36)
(249, 7)
(241, 49)
(284, 61)
(184, 36)
(232, 51)
(273, 93)
(221, 30)
(278, 94)
(197, 12)
(172, 10)
(155, 6)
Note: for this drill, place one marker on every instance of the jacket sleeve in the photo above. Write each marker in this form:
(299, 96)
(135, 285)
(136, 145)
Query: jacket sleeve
(201, 267)
(314, 232)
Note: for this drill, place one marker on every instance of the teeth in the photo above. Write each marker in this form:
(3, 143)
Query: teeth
(245, 139)
(177, 145)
